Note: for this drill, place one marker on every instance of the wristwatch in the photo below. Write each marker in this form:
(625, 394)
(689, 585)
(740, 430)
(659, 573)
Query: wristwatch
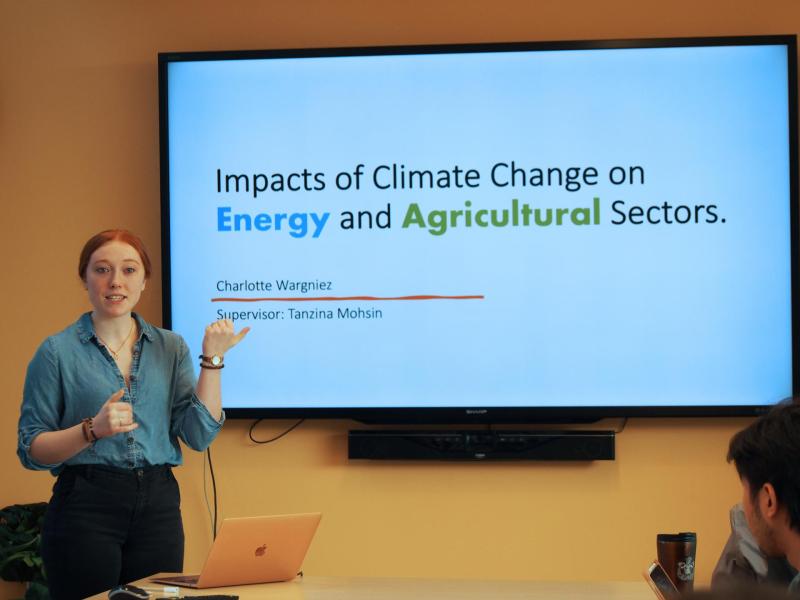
(214, 360)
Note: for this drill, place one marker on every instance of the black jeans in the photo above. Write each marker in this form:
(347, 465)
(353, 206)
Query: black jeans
(106, 526)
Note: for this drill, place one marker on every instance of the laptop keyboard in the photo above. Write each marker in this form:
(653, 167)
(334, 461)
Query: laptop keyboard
(183, 578)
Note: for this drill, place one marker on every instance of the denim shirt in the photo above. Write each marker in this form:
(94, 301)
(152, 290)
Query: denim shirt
(72, 375)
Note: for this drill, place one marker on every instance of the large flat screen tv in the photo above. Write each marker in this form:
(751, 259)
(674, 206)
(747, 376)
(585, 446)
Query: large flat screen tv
(488, 233)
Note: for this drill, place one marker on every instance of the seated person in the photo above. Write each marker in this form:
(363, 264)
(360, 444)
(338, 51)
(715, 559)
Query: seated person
(766, 455)
(743, 561)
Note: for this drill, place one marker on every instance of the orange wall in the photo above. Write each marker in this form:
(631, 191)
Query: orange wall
(79, 153)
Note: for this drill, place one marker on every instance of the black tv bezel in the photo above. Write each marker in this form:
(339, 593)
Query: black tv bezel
(489, 414)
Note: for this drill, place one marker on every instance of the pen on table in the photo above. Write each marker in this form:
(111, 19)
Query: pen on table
(165, 591)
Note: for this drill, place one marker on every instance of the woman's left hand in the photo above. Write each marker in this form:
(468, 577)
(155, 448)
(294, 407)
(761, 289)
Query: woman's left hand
(221, 337)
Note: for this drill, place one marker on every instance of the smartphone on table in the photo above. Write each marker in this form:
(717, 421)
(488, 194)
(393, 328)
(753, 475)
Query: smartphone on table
(662, 585)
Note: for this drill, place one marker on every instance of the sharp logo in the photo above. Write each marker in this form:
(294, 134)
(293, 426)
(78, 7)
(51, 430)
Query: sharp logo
(477, 411)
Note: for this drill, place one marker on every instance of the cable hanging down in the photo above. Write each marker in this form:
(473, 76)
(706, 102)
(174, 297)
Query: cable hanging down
(273, 439)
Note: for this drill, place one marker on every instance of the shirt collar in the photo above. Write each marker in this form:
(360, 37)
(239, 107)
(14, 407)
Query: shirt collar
(86, 328)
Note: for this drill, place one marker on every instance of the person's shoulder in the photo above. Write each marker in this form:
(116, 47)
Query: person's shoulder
(68, 340)
(80, 330)
(158, 335)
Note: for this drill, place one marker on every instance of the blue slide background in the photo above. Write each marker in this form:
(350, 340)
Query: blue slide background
(599, 315)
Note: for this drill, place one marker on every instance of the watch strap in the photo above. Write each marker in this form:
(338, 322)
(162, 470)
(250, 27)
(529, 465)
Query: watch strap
(214, 359)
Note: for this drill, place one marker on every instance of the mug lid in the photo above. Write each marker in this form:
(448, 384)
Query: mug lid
(684, 536)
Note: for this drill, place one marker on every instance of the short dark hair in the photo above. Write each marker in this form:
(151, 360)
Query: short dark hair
(113, 235)
(768, 451)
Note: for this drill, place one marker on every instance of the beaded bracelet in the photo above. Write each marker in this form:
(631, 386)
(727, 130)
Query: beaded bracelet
(87, 426)
(205, 365)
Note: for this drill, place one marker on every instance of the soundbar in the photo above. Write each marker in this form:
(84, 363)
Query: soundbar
(478, 445)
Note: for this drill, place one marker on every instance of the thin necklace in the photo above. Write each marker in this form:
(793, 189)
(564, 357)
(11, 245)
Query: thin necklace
(115, 353)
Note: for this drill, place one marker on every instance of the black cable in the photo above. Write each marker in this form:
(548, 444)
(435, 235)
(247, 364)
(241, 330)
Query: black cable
(214, 517)
(277, 437)
(205, 494)
(214, 486)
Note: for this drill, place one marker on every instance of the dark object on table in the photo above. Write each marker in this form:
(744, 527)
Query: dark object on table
(676, 553)
(128, 592)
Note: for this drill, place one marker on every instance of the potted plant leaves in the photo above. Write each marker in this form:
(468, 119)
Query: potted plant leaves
(20, 537)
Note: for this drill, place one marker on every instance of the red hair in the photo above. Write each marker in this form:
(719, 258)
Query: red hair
(113, 235)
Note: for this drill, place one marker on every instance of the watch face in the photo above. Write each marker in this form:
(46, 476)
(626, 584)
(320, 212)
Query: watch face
(216, 360)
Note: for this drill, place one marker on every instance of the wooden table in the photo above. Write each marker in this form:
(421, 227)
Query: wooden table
(378, 588)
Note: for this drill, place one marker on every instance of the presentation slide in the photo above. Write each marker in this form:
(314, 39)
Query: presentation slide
(591, 228)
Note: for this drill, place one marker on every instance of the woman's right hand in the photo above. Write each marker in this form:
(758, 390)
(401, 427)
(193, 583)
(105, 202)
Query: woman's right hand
(114, 417)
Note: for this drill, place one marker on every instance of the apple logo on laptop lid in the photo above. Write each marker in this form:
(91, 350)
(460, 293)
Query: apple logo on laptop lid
(261, 550)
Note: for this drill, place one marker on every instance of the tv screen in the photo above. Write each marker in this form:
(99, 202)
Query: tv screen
(487, 233)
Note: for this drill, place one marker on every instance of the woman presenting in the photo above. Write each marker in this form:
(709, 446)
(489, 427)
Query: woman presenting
(105, 402)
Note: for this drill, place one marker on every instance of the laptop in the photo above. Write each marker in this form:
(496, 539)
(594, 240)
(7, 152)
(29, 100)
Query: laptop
(253, 550)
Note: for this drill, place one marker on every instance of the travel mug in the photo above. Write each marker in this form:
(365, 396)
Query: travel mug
(676, 553)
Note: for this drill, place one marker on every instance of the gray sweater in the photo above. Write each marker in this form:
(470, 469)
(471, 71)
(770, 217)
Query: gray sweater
(742, 559)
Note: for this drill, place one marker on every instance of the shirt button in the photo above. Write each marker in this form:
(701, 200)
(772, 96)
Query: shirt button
(130, 440)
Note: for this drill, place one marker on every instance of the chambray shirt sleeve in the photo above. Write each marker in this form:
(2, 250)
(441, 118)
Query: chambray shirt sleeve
(191, 420)
(42, 403)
